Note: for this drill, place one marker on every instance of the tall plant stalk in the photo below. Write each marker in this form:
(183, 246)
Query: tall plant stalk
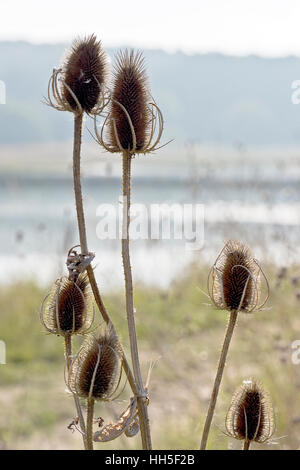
(134, 125)
(78, 118)
(218, 379)
(142, 396)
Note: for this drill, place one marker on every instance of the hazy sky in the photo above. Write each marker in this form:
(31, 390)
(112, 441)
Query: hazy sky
(264, 27)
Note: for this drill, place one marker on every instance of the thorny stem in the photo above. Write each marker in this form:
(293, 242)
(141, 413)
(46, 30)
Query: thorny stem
(68, 354)
(246, 445)
(141, 397)
(89, 423)
(218, 379)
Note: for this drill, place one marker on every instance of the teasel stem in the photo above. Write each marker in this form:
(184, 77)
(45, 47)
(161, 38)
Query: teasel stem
(246, 445)
(89, 423)
(68, 354)
(77, 182)
(142, 395)
(83, 240)
(218, 379)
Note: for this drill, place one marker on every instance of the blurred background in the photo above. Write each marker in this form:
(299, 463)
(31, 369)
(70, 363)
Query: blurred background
(225, 77)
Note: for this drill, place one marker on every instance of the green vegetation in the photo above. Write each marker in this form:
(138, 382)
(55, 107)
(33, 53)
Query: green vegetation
(175, 326)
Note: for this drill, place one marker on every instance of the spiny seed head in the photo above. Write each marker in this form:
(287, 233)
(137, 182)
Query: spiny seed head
(85, 73)
(96, 370)
(131, 91)
(235, 279)
(250, 415)
(69, 308)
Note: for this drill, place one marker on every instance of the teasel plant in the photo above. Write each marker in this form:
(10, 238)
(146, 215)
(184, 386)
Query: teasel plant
(80, 87)
(66, 311)
(234, 284)
(133, 125)
(250, 416)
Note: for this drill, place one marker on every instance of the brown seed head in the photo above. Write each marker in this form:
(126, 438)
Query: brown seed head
(96, 369)
(69, 307)
(85, 73)
(235, 279)
(131, 91)
(250, 415)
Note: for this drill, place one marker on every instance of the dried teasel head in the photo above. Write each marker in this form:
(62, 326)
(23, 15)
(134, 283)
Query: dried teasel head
(68, 309)
(134, 123)
(250, 416)
(234, 279)
(80, 84)
(96, 370)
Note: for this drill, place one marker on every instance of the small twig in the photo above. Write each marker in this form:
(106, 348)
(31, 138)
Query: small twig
(218, 379)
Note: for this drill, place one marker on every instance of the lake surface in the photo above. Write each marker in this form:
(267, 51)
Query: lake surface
(257, 202)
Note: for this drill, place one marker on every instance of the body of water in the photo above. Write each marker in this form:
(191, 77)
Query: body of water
(257, 203)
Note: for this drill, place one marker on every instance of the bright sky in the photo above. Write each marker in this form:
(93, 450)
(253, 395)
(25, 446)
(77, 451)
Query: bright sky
(264, 27)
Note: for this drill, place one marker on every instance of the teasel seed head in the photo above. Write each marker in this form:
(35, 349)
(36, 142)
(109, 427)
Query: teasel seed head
(131, 91)
(96, 370)
(234, 279)
(80, 84)
(134, 123)
(68, 309)
(250, 416)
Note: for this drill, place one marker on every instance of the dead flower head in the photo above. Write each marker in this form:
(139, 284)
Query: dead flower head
(80, 84)
(234, 279)
(68, 309)
(250, 416)
(134, 123)
(96, 370)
